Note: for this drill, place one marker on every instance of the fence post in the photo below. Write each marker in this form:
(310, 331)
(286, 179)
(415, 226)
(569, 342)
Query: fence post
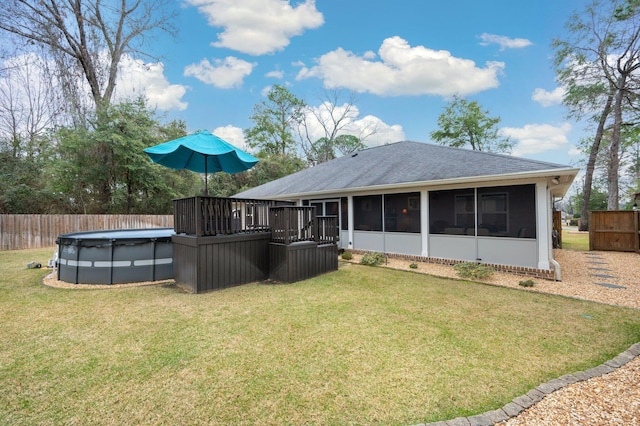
(636, 227)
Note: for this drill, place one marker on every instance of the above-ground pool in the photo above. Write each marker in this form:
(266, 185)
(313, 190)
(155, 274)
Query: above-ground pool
(115, 257)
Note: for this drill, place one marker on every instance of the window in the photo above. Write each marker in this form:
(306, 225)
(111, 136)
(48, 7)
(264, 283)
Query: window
(506, 211)
(509, 211)
(451, 212)
(367, 213)
(493, 215)
(465, 211)
(402, 212)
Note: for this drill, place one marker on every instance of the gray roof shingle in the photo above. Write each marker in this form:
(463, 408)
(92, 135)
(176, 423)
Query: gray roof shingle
(396, 164)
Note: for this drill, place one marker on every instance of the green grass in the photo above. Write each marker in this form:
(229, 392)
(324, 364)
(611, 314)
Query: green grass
(358, 346)
(574, 240)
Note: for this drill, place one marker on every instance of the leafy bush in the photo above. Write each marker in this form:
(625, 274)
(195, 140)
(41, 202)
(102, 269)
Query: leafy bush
(527, 283)
(474, 271)
(413, 266)
(347, 255)
(372, 259)
(573, 222)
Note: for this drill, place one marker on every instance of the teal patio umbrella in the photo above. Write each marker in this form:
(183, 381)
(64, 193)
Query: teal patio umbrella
(201, 152)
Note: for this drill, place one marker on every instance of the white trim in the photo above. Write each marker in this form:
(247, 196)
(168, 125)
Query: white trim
(424, 221)
(543, 224)
(350, 214)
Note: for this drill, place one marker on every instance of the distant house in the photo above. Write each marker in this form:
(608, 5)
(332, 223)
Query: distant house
(424, 200)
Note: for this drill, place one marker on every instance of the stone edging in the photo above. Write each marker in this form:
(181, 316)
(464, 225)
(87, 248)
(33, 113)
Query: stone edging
(534, 396)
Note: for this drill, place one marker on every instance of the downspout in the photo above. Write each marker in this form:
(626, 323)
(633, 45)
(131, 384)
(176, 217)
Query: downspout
(556, 268)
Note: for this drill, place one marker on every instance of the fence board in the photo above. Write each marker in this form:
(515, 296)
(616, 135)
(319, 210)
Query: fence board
(25, 231)
(614, 230)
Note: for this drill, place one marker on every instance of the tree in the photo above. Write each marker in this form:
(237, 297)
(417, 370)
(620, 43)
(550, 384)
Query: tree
(270, 167)
(23, 185)
(465, 124)
(331, 127)
(87, 36)
(29, 105)
(598, 65)
(275, 122)
(126, 181)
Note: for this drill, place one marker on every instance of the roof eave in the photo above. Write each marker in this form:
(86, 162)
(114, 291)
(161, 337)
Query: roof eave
(560, 189)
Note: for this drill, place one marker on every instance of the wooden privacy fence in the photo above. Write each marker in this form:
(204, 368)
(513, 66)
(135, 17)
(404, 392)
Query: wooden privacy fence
(614, 230)
(23, 231)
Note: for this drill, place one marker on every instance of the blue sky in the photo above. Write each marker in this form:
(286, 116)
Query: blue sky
(405, 59)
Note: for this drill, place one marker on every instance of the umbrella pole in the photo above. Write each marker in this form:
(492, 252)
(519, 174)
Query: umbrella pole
(206, 177)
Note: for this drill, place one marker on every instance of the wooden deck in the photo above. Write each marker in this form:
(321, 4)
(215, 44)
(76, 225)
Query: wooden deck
(224, 242)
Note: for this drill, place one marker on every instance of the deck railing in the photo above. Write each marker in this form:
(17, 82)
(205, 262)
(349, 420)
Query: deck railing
(207, 216)
(327, 230)
(203, 216)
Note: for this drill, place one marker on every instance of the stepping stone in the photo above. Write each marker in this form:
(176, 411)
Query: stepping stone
(603, 276)
(609, 285)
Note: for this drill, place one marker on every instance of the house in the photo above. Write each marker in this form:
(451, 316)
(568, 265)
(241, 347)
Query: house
(429, 201)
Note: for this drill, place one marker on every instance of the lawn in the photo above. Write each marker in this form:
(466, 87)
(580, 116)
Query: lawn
(362, 345)
(574, 240)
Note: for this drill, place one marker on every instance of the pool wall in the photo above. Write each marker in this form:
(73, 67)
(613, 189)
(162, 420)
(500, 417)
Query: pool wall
(116, 257)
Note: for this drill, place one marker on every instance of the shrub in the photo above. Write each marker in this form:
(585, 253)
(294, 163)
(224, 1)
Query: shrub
(347, 255)
(573, 222)
(372, 259)
(527, 283)
(474, 271)
(413, 266)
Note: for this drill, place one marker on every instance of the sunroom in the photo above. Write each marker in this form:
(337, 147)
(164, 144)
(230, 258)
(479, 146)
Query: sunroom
(430, 201)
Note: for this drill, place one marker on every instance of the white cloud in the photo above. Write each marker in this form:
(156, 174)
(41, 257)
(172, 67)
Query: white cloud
(265, 91)
(223, 73)
(404, 70)
(135, 78)
(138, 78)
(231, 134)
(547, 99)
(275, 74)
(372, 130)
(574, 151)
(258, 27)
(504, 42)
(537, 138)
(385, 133)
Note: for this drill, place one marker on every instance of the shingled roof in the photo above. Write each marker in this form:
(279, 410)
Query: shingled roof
(402, 164)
